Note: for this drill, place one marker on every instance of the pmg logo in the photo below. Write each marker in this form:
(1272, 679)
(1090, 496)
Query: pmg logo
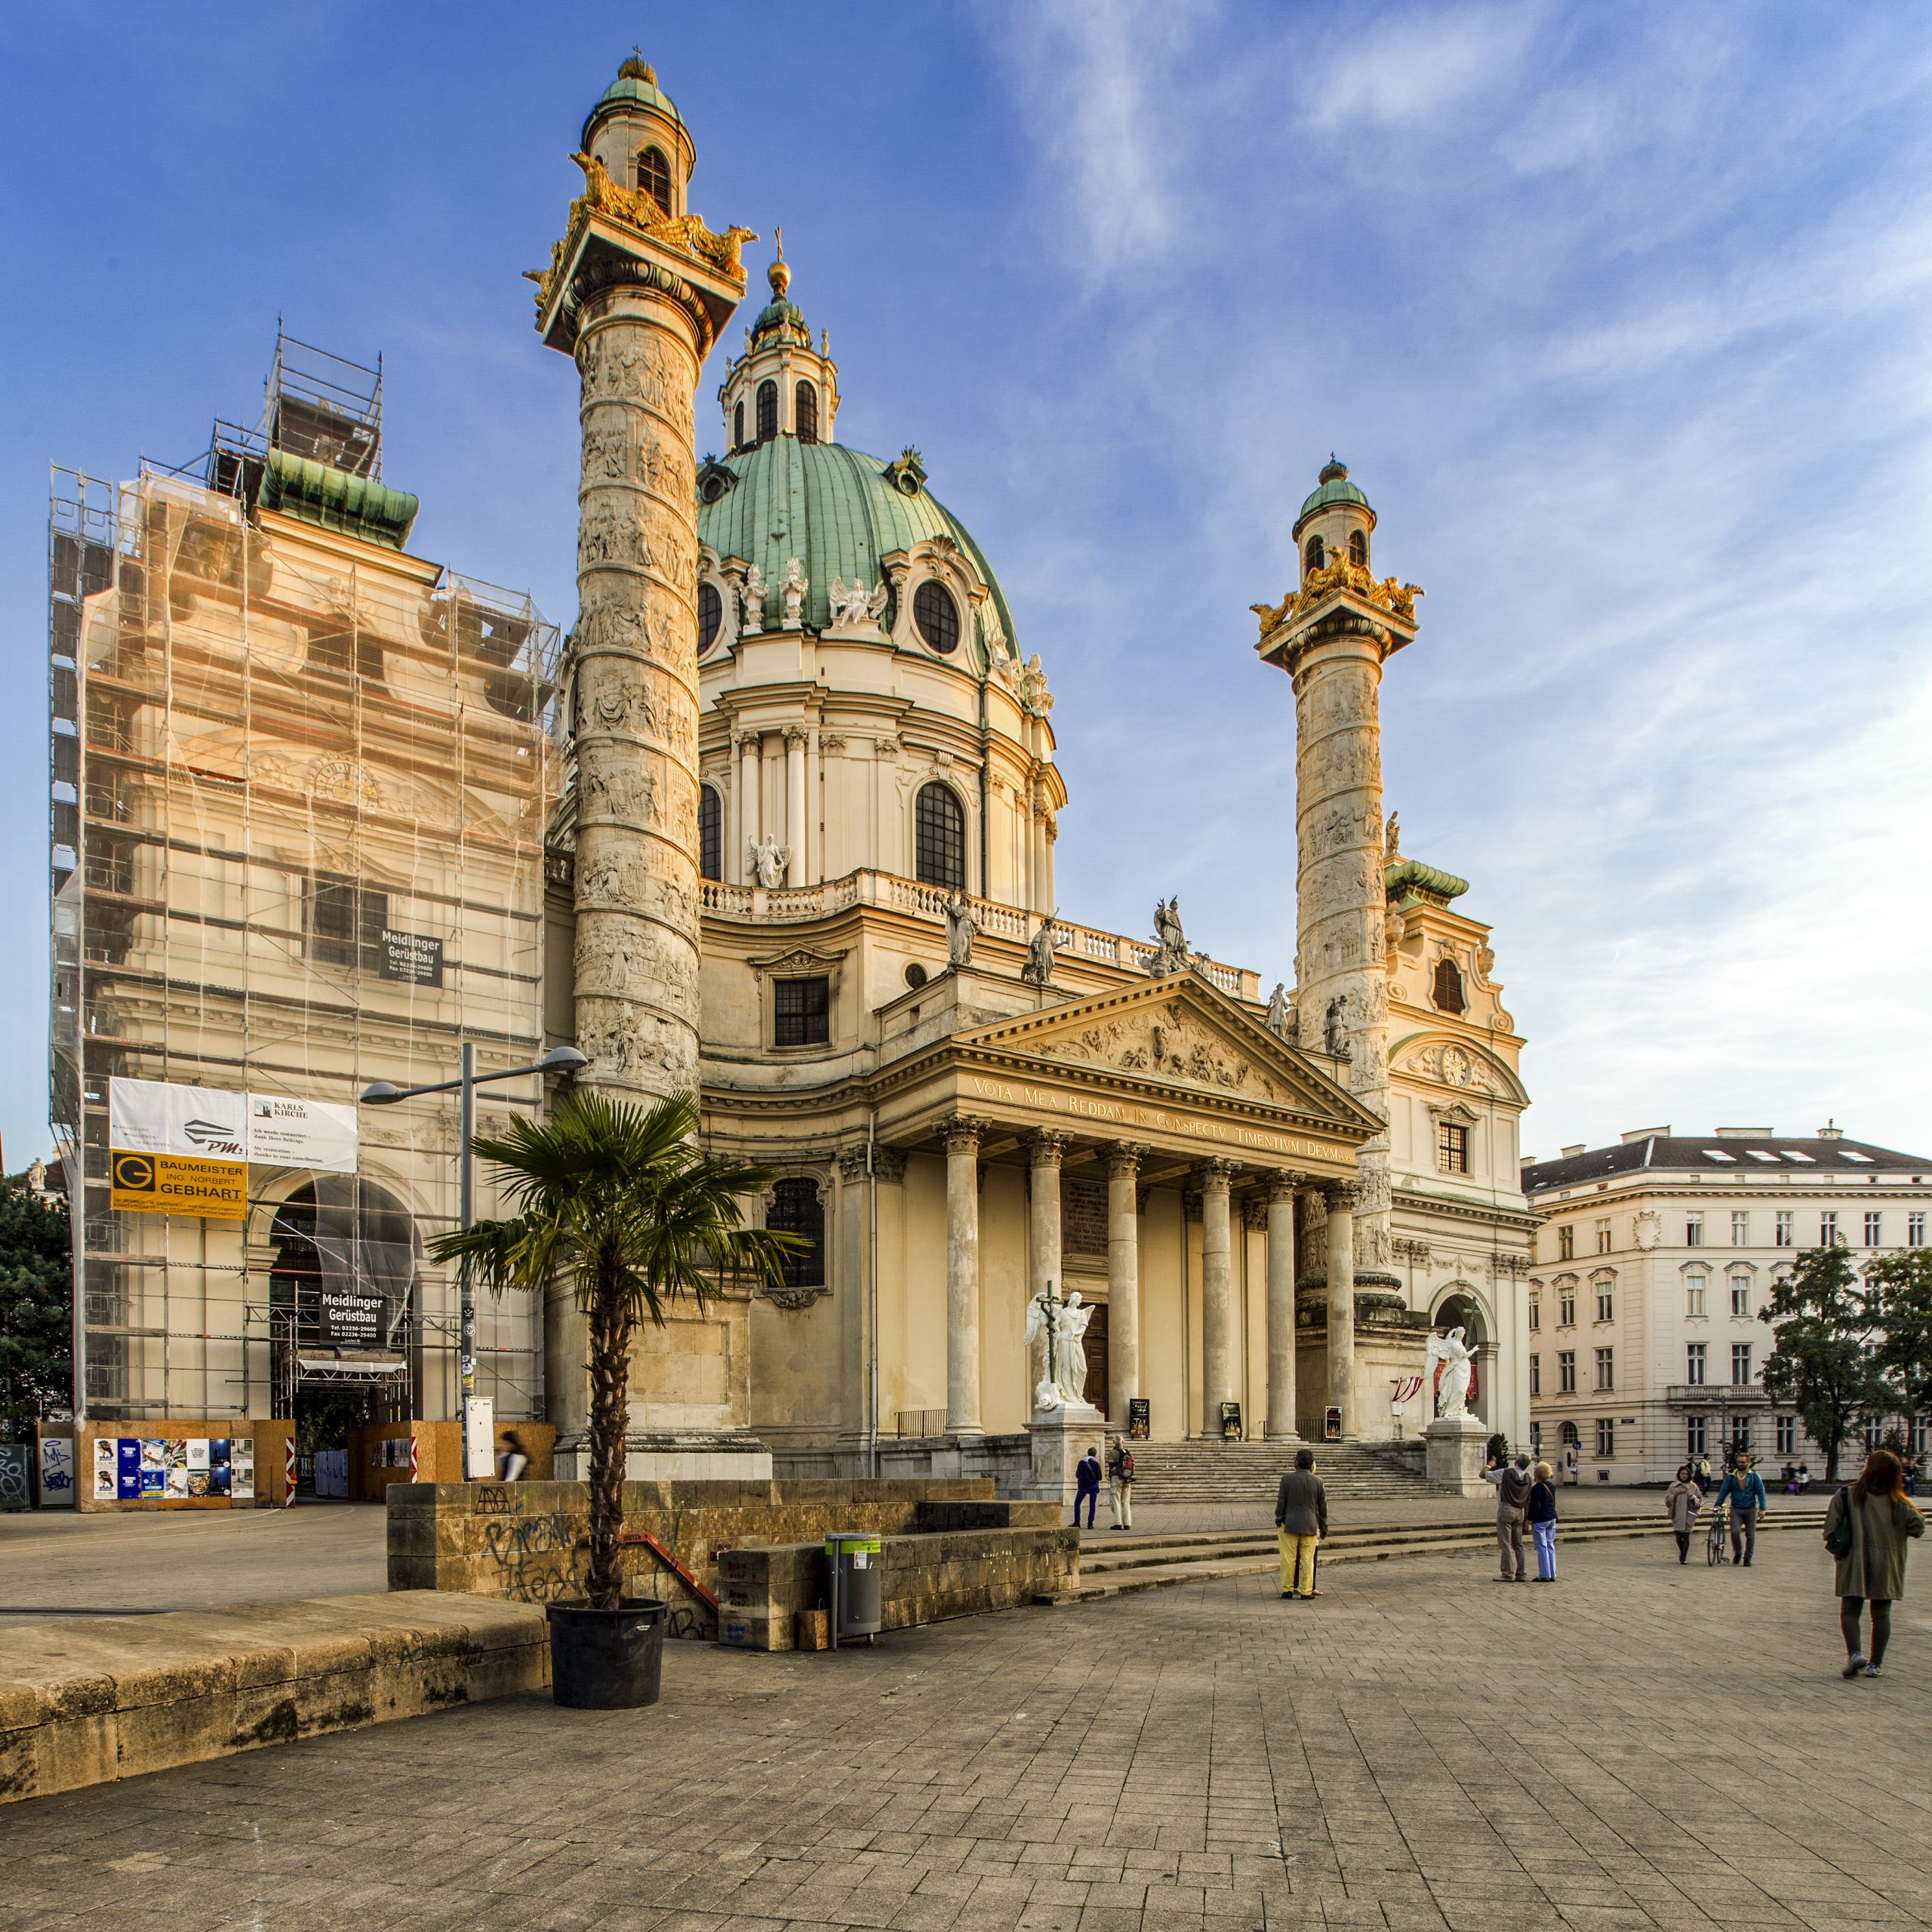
(212, 1137)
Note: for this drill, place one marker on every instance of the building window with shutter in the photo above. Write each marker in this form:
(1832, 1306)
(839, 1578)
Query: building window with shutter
(1740, 1230)
(1694, 1231)
(1566, 1243)
(1875, 1229)
(1787, 1229)
(802, 1012)
(1694, 1295)
(1740, 1364)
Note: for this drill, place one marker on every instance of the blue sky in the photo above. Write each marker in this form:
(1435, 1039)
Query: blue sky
(1621, 317)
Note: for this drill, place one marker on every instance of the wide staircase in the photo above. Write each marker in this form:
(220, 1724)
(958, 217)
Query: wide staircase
(1165, 1473)
(1112, 1564)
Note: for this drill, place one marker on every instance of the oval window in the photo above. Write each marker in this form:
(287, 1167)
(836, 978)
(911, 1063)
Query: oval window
(937, 616)
(710, 616)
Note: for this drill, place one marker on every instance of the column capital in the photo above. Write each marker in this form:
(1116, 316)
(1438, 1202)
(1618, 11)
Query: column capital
(795, 734)
(1216, 1174)
(743, 742)
(889, 1163)
(1342, 1195)
(1254, 1211)
(1124, 1159)
(852, 1164)
(1284, 1183)
(961, 1133)
(1044, 1148)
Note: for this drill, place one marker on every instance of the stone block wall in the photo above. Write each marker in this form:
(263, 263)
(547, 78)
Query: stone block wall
(942, 1573)
(529, 1541)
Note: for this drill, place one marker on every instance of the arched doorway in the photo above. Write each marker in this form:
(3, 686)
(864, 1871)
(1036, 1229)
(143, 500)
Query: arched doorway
(341, 1295)
(1459, 1309)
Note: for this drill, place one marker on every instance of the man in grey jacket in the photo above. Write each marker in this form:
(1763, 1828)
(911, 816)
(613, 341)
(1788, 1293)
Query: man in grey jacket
(1513, 1483)
(1301, 1520)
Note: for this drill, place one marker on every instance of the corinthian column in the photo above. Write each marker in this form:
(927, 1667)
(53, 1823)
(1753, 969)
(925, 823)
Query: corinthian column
(1123, 1278)
(795, 805)
(1342, 1304)
(1282, 1306)
(1217, 1384)
(961, 1136)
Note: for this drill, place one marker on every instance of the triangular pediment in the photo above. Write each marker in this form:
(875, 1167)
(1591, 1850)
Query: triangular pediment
(1180, 1033)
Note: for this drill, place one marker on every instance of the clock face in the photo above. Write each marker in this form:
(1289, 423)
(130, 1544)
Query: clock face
(1456, 1067)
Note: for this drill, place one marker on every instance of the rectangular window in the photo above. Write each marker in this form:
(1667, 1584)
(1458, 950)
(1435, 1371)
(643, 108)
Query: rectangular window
(1566, 1372)
(1452, 1148)
(1606, 1439)
(1787, 1435)
(1606, 1302)
(1694, 1231)
(802, 1012)
(345, 922)
(1566, 1243)
(1566, 1308)
(1536, 1313)
(1693, 1364)
(1693, 1295)
(1914, 1230)
(1740, 1364)
(1536, 1375)
(1740, 1297)
(1740, 1230)
(1606, 1368)
(1828, 1230)
(1917, 1434)
(1874, 1228)
(1603, 1237)
(1787, 1231)
(1740, 1435)
(1693, 1435)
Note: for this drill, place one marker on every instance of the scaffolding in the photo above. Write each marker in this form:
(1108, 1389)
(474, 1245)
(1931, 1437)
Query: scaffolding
(300, 780)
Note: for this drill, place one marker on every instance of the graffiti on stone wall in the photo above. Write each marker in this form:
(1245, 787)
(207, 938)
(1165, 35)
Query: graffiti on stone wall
(539, 1558)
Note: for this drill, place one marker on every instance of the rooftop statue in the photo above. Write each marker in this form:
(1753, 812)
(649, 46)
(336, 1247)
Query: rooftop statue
(1039, 966)
(960, 930)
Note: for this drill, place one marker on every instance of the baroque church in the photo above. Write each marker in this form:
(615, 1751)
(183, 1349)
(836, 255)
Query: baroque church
(1266, 1202)
(777, 822)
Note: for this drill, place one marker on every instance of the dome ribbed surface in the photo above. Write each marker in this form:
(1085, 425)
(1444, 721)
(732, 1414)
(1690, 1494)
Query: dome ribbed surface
(837, 512)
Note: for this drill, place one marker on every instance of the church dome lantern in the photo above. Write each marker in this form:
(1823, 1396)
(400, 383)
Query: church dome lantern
(1335, 519)
(636, 131)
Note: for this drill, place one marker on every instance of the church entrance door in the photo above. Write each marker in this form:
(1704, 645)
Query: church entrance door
(1096, 1342)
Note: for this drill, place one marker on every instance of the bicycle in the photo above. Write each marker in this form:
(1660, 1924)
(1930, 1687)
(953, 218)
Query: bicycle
(1718, 1548)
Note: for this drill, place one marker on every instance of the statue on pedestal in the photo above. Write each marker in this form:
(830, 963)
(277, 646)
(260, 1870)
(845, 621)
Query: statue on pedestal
(1172, 957)
(960, 930)
(1279, 1020)
(1038, 969)
(1451, 1358)
(1063, 1323)
(770, 862)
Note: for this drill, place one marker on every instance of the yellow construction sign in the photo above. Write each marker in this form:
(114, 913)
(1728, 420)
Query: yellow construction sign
(176, 1184)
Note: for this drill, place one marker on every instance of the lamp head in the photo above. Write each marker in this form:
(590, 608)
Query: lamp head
(563, 1060)
(380, 1092)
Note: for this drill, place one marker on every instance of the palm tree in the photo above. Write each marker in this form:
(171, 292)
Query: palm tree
(625, 1199)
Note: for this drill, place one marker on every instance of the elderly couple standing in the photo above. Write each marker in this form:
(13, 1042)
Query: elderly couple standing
(1525, 1495)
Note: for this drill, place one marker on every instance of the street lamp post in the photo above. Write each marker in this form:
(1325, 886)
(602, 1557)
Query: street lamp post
(382, 1093)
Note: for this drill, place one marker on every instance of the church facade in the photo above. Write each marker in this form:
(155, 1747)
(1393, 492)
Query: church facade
(799, 803)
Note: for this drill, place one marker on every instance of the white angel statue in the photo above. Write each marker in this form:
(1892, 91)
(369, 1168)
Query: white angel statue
(1449, 1358)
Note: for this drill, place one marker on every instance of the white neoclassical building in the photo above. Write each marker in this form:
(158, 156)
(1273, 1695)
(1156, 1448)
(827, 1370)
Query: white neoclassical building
(1654, 1263)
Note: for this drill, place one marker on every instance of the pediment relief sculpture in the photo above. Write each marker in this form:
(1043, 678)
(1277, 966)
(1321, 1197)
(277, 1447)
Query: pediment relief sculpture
(1166, 1044)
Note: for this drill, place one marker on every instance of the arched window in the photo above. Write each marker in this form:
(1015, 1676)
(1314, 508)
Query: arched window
(710, 833)
(738, 425)
(805, 412)
(795, 1209)
(937, 616)
(653, 176)
(768, 411)
(1358, 549)
(940, 837)
(1448, 993)
(710, 616)
(1315, 554)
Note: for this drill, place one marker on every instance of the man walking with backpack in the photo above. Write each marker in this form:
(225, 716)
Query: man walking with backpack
(1120, 1483)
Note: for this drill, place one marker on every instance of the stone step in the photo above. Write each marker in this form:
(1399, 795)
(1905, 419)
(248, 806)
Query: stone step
(1110, 1571)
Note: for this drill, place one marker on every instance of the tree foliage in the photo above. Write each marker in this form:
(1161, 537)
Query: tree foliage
(1822, 1364)
(624, 1201)
(1901, 1286)
(36, 1312)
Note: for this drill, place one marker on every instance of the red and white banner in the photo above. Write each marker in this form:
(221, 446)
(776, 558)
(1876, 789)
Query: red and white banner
(288, 1471)
(1407, 1389)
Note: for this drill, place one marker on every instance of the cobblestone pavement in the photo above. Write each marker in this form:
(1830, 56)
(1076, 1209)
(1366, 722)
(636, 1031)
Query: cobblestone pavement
(1639, 1746)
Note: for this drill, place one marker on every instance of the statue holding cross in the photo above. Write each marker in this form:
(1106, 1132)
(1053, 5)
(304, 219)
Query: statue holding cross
(1063, 1321)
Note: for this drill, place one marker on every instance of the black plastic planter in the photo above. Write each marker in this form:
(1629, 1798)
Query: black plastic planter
(606, 1659)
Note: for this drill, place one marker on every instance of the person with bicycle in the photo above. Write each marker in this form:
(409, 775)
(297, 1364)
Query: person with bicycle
(1681, 1502)
(1743, 1491)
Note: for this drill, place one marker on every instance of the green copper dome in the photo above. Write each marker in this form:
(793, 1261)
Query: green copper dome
(1333, 486)
(636, 83)
(839, 512)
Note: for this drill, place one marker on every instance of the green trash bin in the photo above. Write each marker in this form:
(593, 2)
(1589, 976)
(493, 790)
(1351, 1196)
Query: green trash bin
(852, 1557)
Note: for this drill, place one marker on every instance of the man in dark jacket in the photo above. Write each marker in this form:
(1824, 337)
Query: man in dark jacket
(1087, 1486)
(1301, 1520)
(1513, 1483)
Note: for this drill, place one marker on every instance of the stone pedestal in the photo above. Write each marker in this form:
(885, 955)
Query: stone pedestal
(1060, 1438)
(1455, 1448)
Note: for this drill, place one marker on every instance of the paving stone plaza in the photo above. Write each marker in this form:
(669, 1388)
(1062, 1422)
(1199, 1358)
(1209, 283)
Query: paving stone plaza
(1419, 1748)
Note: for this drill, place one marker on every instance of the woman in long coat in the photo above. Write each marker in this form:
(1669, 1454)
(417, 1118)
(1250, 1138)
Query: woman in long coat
(1681, 1502)
(1883, 1520)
